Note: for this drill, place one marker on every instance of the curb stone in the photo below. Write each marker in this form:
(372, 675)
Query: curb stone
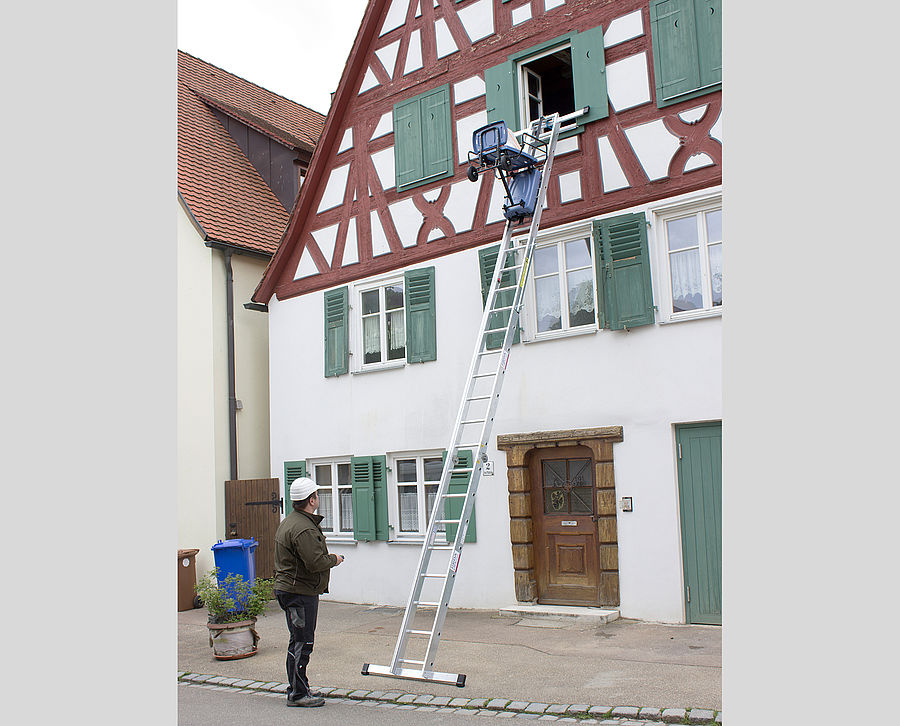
(497, 707)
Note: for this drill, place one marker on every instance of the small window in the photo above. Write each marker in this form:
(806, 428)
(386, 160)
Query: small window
(690, 242)
(383, 321)
(335, 498)
(418, 478)
(547, 84)
(563, 289)
(423, 138)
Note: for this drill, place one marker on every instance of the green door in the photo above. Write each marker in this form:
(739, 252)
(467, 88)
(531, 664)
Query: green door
(700, 491)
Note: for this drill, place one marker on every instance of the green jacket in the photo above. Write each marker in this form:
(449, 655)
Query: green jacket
(302, 562)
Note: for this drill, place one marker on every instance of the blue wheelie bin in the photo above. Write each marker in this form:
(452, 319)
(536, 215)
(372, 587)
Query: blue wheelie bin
(235, 557)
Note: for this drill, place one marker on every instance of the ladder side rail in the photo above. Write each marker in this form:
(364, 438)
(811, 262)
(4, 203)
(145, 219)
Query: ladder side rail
(495, 397)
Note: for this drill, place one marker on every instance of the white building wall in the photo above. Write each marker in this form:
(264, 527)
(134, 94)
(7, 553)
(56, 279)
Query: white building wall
(197, 503)
(645, 380)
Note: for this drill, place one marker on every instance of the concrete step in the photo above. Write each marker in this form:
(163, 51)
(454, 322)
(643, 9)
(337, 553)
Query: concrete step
(559, 612)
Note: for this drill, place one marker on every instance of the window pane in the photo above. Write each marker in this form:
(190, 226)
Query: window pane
(686, 293)
(534, 108)
(545, 261)
(396, 333)
(346, 499)
(682, 233)
(430, 496)
(549, 312)
(325, 509)
(578, 254)
(371, 340)
(581, 500)
(343, 474)
(714, 226)
(580, 472)
(406, 470)
(409, 509)
(370, 302)
(433, 468)
(323, 475)
(555, 501)
(715, 271)
(554, 479)
(554, 472)
(581, 297)
(393, 297)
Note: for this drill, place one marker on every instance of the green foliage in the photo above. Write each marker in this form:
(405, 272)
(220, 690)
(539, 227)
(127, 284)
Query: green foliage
(235, 599)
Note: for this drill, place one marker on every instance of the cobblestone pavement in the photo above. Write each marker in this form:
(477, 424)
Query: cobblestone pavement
(581, 713)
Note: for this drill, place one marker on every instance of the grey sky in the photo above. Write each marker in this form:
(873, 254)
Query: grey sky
(296, 48)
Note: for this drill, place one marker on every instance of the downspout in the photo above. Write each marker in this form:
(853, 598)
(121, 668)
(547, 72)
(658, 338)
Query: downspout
(232, 400)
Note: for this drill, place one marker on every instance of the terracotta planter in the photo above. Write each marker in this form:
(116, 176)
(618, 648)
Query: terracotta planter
(231, 641)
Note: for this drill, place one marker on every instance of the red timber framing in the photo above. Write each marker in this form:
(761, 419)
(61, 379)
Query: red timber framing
(362, 112)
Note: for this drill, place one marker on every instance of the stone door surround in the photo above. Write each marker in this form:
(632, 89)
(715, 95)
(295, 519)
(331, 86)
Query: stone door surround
(521, 527)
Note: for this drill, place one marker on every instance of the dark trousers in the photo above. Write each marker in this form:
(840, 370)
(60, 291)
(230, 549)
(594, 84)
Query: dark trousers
(301, 612)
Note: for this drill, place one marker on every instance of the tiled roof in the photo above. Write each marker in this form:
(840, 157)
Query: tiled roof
(223, 191)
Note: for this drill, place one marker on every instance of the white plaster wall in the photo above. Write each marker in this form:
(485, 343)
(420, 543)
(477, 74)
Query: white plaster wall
(198, 508)
(645, 380)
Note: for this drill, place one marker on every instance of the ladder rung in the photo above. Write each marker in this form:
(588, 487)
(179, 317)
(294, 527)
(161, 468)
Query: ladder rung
(469, 446)
(433, 574)
(494, 330)
(447, 547)
(491, 352)
(407, 660)
(500, 310)
(454, 496)
(447, 521)
(479, 398)
(483, 375)
(419, 632)
(471, 421)
(427, 604)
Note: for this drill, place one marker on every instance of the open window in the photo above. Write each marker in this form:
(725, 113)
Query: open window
(561, 75)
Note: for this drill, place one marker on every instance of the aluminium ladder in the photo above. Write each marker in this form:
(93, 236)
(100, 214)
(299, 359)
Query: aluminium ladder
(434, 581)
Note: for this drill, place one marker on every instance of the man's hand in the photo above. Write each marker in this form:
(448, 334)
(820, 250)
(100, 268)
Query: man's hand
(340, 559)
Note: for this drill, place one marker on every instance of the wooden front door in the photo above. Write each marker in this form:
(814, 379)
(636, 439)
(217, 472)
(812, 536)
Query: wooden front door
(566, 541)
(253, 509)
(700, 491)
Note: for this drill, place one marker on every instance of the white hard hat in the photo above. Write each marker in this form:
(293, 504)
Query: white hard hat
(301, 488)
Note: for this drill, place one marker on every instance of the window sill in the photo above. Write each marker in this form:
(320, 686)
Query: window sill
(556, 335)
(383, 367)
(693, 315)
(342, 540)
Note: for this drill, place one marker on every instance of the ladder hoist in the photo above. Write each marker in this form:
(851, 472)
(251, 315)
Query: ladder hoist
(522, 161)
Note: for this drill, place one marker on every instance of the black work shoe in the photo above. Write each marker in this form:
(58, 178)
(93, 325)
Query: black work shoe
(307, 702)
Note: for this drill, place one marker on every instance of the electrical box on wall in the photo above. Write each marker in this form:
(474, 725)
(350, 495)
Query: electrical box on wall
(625, 504)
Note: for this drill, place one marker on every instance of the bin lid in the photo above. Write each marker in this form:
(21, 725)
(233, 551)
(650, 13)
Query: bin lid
(242, 543)
(187, 553)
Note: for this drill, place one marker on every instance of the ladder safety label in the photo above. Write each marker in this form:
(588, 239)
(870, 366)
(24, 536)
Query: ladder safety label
(454, 562)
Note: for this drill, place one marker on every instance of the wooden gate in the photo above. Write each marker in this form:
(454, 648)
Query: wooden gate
(253, 509)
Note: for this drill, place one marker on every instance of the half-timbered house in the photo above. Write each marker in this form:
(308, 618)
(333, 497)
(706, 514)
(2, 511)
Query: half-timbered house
(603, 485)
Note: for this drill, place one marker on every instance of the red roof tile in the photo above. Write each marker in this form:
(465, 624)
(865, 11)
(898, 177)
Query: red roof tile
(225, 194)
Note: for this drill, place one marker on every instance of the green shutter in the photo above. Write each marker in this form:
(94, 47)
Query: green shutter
(408, 156)
(337, 332)
(421, 322)
(437, 141)
(687, 48)
(708, 15)
(500, 95)
(423, 138)
(623, 272)
(292, 470)
(369, 492)
(487, 261)
(589, 74)
(459, 484)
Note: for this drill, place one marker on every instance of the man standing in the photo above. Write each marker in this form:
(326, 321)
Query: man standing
(302, 570)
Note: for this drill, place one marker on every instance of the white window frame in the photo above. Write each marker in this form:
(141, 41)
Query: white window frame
(357, 347)
(394, 493)
(528, 319)
(663, 274)
(334, 533)
(522, 80)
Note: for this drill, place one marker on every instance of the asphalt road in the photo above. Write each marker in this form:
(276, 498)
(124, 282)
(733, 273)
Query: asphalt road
(207, 706)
